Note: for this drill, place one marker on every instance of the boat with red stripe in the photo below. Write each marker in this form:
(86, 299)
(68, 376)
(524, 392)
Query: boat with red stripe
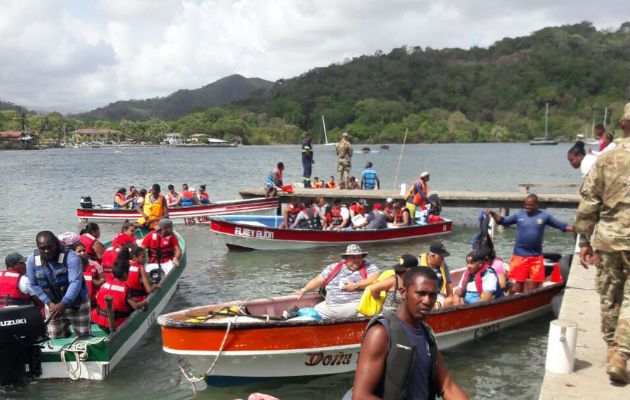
(189, 215)
(261, 232)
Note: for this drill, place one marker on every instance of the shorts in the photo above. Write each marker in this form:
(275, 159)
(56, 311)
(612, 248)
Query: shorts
(79, 318)
(527, 267)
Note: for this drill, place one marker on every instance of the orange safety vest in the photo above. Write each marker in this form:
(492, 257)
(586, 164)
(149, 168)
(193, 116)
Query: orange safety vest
(415, 197)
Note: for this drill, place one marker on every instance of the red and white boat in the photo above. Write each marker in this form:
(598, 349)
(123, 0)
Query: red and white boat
(189, 215)
(261, 344)
(261, 232)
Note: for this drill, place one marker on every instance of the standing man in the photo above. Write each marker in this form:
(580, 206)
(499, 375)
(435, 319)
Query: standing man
(418, 194)
(344, 159)
(603, 221)
(273, 182)
(527, 260)
(307, 159)
(369, 178)
(399, 357)
(56, 278)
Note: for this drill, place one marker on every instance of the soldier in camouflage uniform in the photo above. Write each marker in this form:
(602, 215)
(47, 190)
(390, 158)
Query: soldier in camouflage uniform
(344, 159)
(603, 219)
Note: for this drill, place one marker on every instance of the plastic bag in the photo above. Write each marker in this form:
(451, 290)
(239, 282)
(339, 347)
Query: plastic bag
(369, 306)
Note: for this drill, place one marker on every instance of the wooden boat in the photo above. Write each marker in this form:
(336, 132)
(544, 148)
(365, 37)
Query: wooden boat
(365, 150)
(188, 215)
(104, 351)
(260, 343)
(260, 232)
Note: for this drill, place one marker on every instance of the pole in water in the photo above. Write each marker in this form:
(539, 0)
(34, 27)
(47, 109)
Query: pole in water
(400, 157)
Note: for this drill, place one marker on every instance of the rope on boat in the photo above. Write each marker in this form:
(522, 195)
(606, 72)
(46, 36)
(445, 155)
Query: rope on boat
(192, 379)
(80, 350)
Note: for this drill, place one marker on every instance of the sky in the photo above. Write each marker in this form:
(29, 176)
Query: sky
(76, 55)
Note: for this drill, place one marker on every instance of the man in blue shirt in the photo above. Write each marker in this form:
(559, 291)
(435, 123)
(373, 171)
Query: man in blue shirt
(369, 179)
(56, 278)
(307, 159)
(527, 260)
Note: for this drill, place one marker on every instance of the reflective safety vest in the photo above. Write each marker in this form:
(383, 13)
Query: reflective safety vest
(88, 241)
(153, 209)
(109, 258)
(337, 219)
(118, 291)
(56, 289)
(160, 249)
(293, 212)
(134, 281)
(441, 271)
(415, 197)
(10, 294)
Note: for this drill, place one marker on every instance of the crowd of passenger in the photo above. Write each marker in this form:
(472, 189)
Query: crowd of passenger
(71, 276)
(134, 198)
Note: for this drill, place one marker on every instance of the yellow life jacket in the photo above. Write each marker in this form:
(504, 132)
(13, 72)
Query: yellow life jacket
(424, 262)
(152, 209)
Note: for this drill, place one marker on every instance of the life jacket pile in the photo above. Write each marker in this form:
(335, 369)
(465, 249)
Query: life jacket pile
(118, 291)
(10, 294)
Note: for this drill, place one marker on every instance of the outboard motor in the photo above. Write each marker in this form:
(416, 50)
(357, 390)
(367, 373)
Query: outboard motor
(86, 202)
(21, 327)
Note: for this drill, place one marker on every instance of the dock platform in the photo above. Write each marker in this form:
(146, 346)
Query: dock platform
(505, 200)
(589, 379)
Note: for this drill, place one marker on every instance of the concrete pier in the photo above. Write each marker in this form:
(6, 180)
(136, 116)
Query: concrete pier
(505, 200)
(589, 379)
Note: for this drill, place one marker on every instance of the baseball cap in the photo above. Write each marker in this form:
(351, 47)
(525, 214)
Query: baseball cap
(13, 259)
(389, 200)
(378, 206)
(164, 223)
(406, 261)
(424, 174)
(439, 249)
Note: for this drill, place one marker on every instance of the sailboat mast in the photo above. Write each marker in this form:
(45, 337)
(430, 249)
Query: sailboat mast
(324, 125)
(546, 117)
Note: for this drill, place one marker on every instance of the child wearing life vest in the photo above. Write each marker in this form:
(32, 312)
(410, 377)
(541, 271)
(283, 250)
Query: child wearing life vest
(92, 271)
(138, 279)
(123, 304)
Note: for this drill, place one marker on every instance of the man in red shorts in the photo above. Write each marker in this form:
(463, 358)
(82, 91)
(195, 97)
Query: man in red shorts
(527, 259)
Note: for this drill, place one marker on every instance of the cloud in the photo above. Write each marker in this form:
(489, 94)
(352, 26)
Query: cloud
(72, 56)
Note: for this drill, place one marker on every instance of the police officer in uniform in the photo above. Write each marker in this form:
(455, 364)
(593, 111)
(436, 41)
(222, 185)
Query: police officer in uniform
(344, 159)
(307, 159)
(603, 220)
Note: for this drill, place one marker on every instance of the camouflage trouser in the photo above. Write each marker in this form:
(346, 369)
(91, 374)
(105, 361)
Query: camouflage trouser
(613, 286)
(343, 172)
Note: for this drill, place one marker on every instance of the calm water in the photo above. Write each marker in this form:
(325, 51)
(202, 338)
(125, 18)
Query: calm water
(43, 188)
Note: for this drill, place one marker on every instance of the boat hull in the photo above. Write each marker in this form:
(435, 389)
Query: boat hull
(241, 234)
(187, 215)
(324, 348)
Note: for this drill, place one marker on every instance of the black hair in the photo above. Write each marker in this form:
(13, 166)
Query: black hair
(156, 187)
(90, 228)
(171, 187)
(202, 187)
(410, 276)
(577, 149)
(280, 165)
(309, 202)
(126, 225)
(316, 178)
(142, 192)
(369, 164)
(352, 178)
(337, 202)
(121, 265)
(46, 235)
(609, 136)
(600, 126)
(533, 197)
(122, 190)
(135, 251)
(76, 244)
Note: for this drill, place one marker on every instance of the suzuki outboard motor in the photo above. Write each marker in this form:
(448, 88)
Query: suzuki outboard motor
(20, 329)
(86, 202)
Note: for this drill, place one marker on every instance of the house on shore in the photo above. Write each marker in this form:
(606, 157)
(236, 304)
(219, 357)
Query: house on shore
(97, 134)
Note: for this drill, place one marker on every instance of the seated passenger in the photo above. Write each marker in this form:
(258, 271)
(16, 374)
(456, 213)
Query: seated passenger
(388, 209)
(327, 218)
(308, 217)
(15, 289)
(331, 183)
(120, 199)
(340, 217)
(434, 259)
(92, 272)
(357, 213)
(139, 199)
(478, 283)
(344, 283)
(126, 235)
(163, 247)
(402, 216)
(353, 184)
(138, 280)
(123, 303)
(203, 196)
(172, 196)
(390, 284)
(290, 213)
(187, 198)
(377, 219)
(317, 184)
(89, 237)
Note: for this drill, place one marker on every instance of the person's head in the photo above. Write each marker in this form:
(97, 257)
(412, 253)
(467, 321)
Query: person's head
(137, 254)
(68, 238)
(331, 179)
(475, 261)
(185, 187)
(336, 203)
(122, 191)
(132, 189)
(353, 256)
(165, 227)
(316, 179)
(128, 228)
(308, 202)
(345, 136)
(202, 188)
(280, 166)
(368, 165)
(608, 138)
(81, 251)
(171, 188)
(436, 255)
(378, 207)
(419, 292)
(120, 270)
(599, 130)
(531, 204)
(308, 135)
(155, 189)
(320, 201)
(405, 262)
(48, 245)
(143, 192)
(16, 262)
(93, 229)
(425, 176)
(328, 210)
(576, 154)
(397, 206)
(389, 202)
(342, 185)
(353, 179)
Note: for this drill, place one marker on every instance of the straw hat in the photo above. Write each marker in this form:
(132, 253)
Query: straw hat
(354, 250)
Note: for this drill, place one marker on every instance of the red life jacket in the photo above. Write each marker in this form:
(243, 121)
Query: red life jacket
(88, 241)
(479, 282)
(119, 241)
(293, 212)
(172, 198)
(336, 219)
(160, 249)
(109, 258)
(134, 281)
(204, 196)
(357, 208)
(118, 291)
(338, 267)
(10, 294)
(87, 275)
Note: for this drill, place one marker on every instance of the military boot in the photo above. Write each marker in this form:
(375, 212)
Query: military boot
(617, 368)
(610, 350)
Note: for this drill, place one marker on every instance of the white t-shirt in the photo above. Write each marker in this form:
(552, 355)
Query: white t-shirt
(488, 283)
(345, 213)
(587, 163)
(24, 286)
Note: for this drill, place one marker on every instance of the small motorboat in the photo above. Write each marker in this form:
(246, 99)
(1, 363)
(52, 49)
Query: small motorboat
(190, 215)
(255, 339)
(261, 232)
(384, 147)
(365, 150)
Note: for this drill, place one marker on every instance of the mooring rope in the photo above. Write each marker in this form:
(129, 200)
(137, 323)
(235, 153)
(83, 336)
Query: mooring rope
(80, 350)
